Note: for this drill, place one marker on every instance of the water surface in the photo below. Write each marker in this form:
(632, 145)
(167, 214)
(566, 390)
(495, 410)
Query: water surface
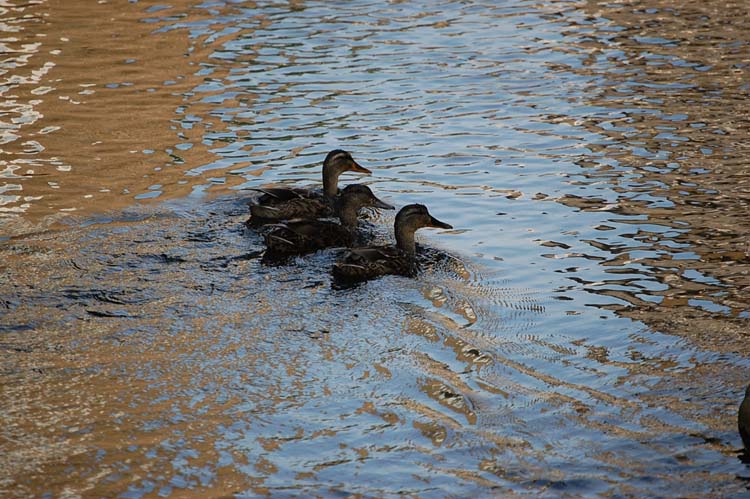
(587, 339)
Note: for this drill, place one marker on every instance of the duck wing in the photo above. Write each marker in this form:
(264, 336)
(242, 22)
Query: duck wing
(272, 196)
(318, 229)
(305, 208)
(298, 237)
(361, 264)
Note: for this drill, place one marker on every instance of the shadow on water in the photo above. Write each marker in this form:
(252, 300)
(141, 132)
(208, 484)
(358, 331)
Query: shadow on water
(584, 332)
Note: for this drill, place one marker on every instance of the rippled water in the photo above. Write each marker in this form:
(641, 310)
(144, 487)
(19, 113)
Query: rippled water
(588, 339)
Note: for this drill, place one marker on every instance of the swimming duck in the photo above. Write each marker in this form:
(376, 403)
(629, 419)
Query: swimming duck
(361, 264)
(743, 420)
(298, 237)
(286, 203)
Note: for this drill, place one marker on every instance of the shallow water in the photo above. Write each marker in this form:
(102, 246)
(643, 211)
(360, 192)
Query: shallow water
(587, 339)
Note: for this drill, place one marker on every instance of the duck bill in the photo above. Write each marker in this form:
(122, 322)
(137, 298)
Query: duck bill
(356, 167)
(378, 203)
(434, 222)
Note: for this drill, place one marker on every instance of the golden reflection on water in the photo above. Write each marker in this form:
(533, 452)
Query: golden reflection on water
(677, 91)
(95, 100)
(675, 79)
(152, 355)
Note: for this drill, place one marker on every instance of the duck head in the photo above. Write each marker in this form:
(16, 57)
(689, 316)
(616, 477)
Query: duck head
(356, 196)
(337, 162)
(411, 218)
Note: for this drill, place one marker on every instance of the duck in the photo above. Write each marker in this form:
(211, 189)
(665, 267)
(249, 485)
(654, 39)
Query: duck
(285, 203)
(743, 420)
(302, 236)
(362, 264)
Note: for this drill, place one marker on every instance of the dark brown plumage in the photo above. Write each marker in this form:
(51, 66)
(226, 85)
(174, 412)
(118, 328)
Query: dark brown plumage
(743, 420)
(298, 237)
(276, 204)
(361, 264)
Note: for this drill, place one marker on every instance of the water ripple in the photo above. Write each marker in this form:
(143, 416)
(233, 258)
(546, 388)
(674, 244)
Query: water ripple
(582, 332)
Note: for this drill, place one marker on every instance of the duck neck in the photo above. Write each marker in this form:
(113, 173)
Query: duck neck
(405, 239)
(330, 181)
(348, 214)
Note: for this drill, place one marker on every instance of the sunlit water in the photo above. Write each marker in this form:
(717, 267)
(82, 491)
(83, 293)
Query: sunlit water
(588, 337)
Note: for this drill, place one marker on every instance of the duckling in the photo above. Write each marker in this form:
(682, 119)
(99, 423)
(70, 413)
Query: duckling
(361, 264)
(298, 237)
(743, 420)
(287, 203)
